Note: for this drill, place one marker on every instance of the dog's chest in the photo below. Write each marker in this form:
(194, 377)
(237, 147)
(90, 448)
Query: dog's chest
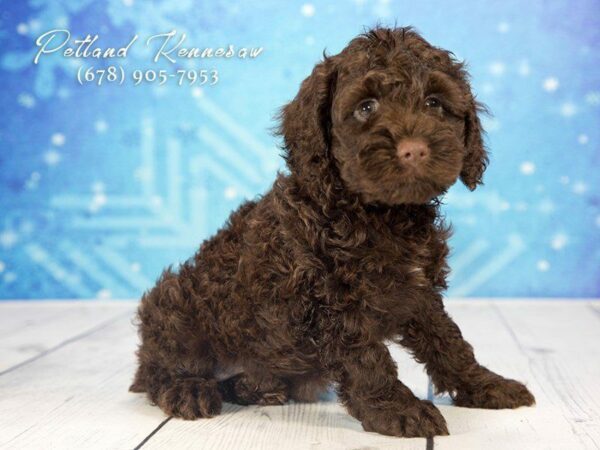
(388, 259)
(403, 259)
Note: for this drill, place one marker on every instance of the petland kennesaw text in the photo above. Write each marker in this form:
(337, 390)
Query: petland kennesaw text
(168, 46)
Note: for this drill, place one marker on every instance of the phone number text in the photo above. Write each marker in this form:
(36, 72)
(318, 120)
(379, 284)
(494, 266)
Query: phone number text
(118, 75)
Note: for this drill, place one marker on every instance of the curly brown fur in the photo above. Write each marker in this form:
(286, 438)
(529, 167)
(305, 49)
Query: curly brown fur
(300, 288)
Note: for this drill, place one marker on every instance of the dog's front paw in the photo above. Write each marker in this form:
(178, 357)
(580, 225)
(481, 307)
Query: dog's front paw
(497, 393)
(420, 419)
(190, 398)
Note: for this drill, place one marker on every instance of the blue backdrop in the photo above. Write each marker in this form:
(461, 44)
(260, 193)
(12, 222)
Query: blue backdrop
(103, 186)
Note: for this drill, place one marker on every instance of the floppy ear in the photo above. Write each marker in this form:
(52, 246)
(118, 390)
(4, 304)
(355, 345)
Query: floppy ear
(476, 157)
(306, 121)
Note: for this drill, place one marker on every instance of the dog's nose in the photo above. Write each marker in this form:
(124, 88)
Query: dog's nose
(412, 151)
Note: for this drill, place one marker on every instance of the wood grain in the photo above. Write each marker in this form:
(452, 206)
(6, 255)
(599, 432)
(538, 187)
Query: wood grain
(540, 427)
(76, 397)
(31, 328)
(561, 342)
(74, 393)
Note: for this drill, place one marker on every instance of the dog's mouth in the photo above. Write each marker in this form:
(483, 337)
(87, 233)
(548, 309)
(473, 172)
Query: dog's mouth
(383, 179)
(418, 190)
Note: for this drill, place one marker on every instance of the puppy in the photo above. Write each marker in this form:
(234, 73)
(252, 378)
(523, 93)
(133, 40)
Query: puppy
(301, 287)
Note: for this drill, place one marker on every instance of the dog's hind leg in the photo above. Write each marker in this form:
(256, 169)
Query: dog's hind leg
(176, 358)
(255, 389)
(188, 397)
(180, 392)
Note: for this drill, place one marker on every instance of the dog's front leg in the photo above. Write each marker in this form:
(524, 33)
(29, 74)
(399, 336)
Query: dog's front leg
(435, 340)
(368, 386)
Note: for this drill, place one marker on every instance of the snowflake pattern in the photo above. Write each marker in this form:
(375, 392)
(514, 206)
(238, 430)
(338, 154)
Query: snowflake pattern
(101, 188)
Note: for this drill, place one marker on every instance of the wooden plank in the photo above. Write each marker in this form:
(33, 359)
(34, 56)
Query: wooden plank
(324, 425)
(29, 329)
(541, 427)
(561, 341)
(76, 396)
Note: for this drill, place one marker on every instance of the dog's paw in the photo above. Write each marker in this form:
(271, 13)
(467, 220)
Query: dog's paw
(498, 393)
(421, 419)
(191, 398)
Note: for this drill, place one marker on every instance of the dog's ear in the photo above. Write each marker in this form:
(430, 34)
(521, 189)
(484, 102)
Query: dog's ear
(306, 121)
(476, 157)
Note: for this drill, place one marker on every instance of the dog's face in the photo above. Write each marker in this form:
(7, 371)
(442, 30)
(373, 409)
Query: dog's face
(397, 116)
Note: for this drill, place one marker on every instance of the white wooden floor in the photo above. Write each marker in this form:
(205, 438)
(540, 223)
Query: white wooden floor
(65, 368)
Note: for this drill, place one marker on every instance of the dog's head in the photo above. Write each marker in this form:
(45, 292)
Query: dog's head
(393, 114)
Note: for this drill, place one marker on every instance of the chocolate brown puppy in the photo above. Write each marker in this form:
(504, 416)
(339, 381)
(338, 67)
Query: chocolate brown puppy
(300, 288)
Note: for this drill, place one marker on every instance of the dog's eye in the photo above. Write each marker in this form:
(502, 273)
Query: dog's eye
(365, 109)
(433, 102)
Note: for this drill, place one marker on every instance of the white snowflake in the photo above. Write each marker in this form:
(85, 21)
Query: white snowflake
(98, 201)
(22, 28)
(543, 265)
(580, 188)
(230, 193)
(63, 92)
(550, 84)
(62, 22)
(104, 294)
(2, 266)
(568, 109)
(136, 267)
(98, 187)
(9, 277)
(52, 157)
(527, 168)
(559, 241)
(309, 40)
(58, 139)
(156, 200)
(503, 27)
(35, 25)
(8, 238)
(197, 92)
(26, 100)
(308, 10)
(101, 126)
(583, 139)
(33, 180)
(593, 98)
(497, 68)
